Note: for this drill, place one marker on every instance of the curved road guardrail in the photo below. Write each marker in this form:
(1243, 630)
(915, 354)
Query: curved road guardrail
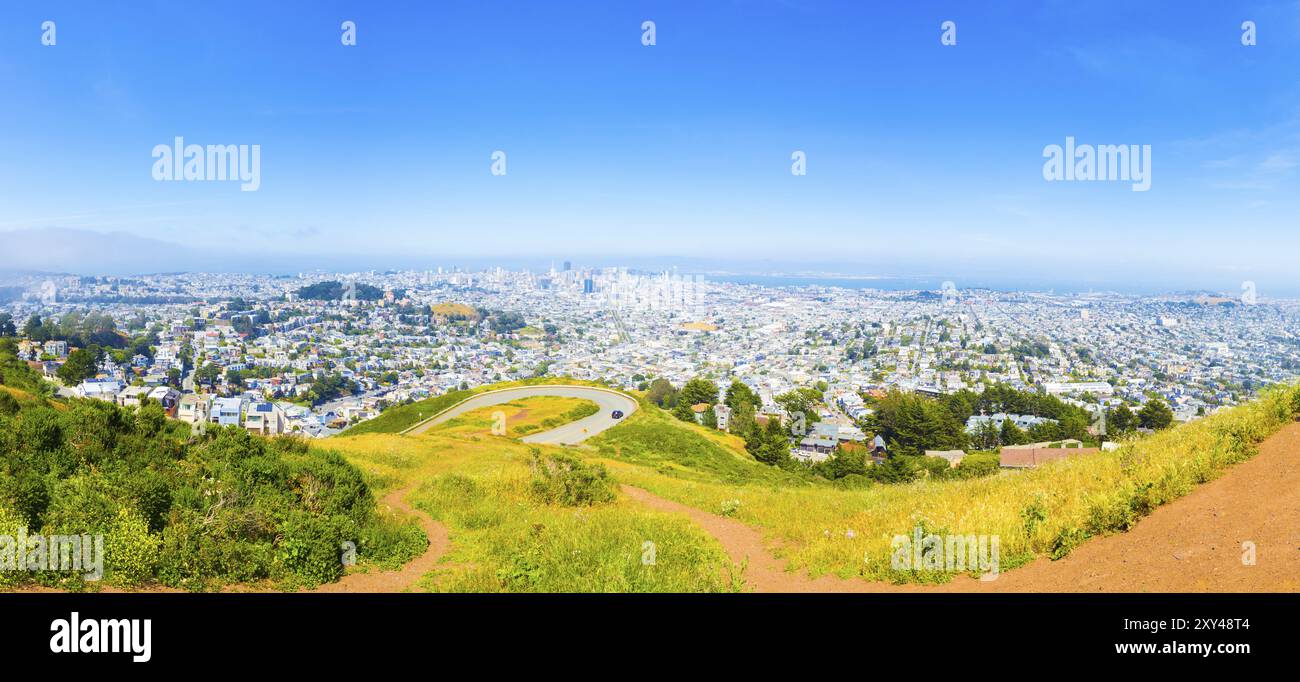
(606, 399)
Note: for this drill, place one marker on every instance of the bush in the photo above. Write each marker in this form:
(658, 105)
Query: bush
(561, 479)
(130, 551)
(977, 465)
(391, 544)
(8, 404)
(311, 548)
(11, 524)
(189, 513)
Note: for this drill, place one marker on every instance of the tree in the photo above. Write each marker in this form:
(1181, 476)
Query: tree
(710, 418)
(914, 424)
(699, 390)
(800, 401)
(895, 469)
(769, 444)
(661, 393)
(1155, 415)
(683, 411)
(1120, 420)
(738, 393)
(7, 326)
(81, 364)
(987, 436)
(1012, 434)
(742, 420)
(35, 329)
(207, 374)
(851, 459)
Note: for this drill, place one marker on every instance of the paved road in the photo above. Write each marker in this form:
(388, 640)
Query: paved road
(568, 434)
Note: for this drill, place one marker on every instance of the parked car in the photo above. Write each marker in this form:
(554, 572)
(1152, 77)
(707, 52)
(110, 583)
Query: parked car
(617, 414)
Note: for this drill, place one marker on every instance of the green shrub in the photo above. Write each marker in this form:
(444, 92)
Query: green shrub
(977, 464)
(1066, 541)
(130, 551)
(389, 544)
(311, 548)
(185, 512)
(561, 479)
(12, 524)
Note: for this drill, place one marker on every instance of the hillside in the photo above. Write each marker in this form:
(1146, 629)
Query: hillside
(697, 474)
(1045, 512)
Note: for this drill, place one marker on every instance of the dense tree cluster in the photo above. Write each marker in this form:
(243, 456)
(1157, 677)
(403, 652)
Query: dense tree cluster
(335, 291)
(78, 329)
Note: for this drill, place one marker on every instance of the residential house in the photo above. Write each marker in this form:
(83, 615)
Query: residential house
(227, 411)
(723, 413)
(166, 396)
(99, 389)
(264, 419)
(132, 395)
(194, 408)
(56, 349)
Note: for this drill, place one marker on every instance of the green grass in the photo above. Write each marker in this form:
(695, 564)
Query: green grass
(401, 417)
(655, 439)
(522, 416)
(395, 419)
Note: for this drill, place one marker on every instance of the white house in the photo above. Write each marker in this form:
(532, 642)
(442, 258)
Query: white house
(99, 389)
(132, 395)
(227, 411)
(264, 419)
(57, 349)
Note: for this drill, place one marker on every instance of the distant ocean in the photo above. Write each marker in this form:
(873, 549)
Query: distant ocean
(843, 282)
(910, 283)
(995, 283)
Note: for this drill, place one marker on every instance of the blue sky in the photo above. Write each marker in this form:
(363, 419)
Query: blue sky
(921, 157)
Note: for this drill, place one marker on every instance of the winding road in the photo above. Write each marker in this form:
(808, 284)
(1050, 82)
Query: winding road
(568, 434)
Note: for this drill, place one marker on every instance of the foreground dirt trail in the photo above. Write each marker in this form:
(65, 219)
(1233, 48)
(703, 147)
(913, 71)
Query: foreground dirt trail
(1193, 544)
(405, 577)
(764, 572)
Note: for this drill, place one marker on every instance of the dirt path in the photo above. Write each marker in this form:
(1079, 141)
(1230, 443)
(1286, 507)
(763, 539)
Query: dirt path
(404, 578)
(1193, 544)
(764, 572)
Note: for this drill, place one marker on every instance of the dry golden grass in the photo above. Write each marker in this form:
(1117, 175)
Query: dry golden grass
(505, 540)
(1045, 511)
